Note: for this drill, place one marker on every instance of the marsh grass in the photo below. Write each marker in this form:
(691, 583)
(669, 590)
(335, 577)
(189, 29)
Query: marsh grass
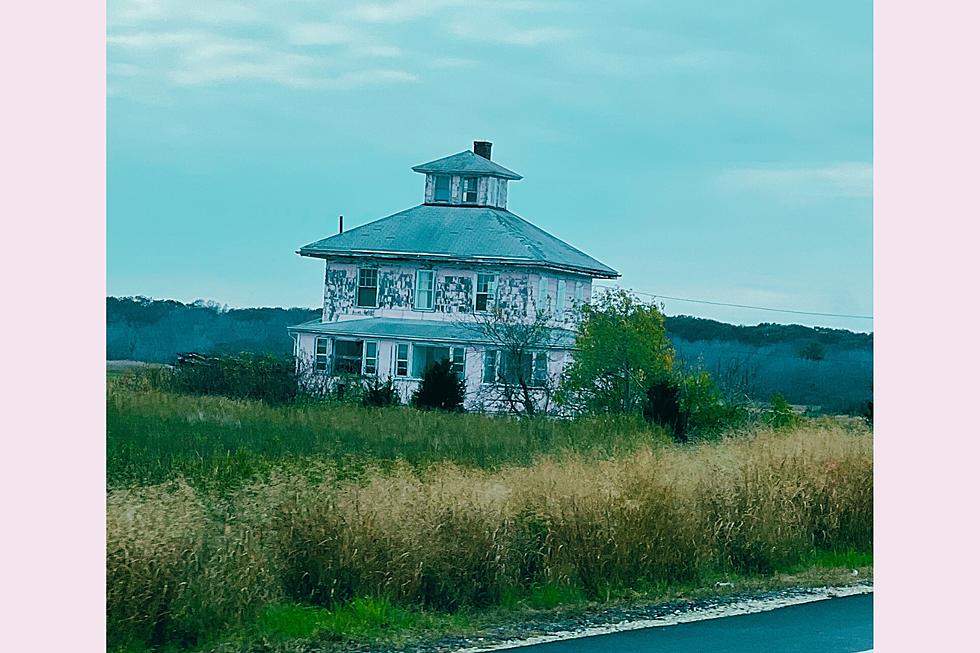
(185, 562)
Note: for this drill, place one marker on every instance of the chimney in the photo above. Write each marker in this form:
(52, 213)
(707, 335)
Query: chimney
(482, 148)
(341, 225)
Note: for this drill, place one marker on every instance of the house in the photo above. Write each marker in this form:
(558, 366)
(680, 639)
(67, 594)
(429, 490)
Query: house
(418, 286)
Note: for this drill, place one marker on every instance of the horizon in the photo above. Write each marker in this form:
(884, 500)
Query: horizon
(715, 153)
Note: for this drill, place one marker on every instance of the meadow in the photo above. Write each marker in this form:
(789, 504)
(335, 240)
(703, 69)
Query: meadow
(313, 520)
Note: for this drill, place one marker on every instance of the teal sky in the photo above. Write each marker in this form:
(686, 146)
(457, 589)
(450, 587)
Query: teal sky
(708, 150)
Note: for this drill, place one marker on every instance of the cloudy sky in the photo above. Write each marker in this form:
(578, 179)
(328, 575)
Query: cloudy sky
(718, 151)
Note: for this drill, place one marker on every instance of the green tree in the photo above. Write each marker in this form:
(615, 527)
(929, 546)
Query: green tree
(621, 349)
(441, 388)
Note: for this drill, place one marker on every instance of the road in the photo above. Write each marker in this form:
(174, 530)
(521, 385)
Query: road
(841, 625)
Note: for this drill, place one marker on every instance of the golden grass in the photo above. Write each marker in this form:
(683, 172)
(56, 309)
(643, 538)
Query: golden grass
(181, 563)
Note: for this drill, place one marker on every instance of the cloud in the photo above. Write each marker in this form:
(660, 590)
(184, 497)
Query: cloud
(320, 34)
(851, 179)
(495, 31)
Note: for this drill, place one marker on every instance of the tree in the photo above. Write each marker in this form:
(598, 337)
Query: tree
(441, 388)
(813, 351)
(621, 349)
(516, 369)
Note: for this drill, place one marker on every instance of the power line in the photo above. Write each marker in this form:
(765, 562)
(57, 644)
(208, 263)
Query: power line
(758, 308)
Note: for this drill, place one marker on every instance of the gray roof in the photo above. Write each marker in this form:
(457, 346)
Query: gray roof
(422, 330)
(478, 234)
(467, 161)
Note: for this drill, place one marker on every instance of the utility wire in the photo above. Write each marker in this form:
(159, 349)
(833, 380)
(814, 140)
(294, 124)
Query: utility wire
(758, 308)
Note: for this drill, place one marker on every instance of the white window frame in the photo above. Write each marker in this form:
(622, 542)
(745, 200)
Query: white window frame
(407, 360)
(431, 291)
(435, 188)
(461, 362)
(539, 377)
(365, 358)
(491, 292)
(321, 361)
(335, 358)
(463, 190)
(357, 293)
(560, 298)
(491, 356)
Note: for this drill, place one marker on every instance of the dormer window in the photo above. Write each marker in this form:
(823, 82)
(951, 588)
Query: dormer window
(442, 190)
(469, 190)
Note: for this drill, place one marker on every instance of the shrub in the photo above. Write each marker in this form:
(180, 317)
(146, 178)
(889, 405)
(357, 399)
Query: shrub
(663, 407)
(266, 377)
(780, 414)
(441, 389)
(380, 394)
(813, 351)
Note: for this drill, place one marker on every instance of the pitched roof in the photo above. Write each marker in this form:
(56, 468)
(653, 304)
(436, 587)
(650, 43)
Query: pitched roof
(479, 234)
(422, 330)
(467, 161)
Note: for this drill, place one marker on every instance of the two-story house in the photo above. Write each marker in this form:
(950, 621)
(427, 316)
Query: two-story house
(406, 290)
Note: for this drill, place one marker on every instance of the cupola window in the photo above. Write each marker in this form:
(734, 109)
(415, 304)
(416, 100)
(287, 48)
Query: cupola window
(469, 190)
(442, 191)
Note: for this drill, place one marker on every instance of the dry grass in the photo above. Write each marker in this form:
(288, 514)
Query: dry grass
(182, 564)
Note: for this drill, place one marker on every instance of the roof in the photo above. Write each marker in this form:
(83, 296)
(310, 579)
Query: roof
(422, 330)
(479, 234)
(467, 161)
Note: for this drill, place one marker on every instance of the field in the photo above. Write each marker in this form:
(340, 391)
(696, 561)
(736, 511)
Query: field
(232, 522)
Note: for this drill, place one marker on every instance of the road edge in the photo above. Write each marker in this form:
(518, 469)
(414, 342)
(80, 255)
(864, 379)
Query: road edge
(748, 605)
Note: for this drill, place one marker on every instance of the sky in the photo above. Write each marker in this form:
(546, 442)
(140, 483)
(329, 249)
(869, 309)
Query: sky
(716, 151)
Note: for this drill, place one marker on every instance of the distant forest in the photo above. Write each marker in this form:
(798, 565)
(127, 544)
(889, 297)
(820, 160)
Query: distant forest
(829, 370)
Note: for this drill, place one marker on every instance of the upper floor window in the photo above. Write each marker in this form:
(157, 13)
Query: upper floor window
(543, 294)
(442, 190)
(486, 285)
(425, 281)
(469, 190)
(560, 298)
(367, 288)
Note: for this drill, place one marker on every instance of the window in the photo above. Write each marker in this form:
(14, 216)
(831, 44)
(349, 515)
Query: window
(485, 287)
(579, 294)
(320, 359)
(469, 190)
(347, 356)
(513, 371)
(540, 374)
(370, 358)
(367, 288)
(560, 298)
(424, 356)
(458, 358)
(442, 192)
(424, 285)
(401, 359)
(543, 294)
(490, 365)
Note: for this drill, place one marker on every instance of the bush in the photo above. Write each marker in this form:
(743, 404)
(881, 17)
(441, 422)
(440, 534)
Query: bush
(663, 407)
(441, 389)
(780, 414)
(380, 395)
(265, 377)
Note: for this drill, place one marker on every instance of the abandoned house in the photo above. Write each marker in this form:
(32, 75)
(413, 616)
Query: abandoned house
(423, 284)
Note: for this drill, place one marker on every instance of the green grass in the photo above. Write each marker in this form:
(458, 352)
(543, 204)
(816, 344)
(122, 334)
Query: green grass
(155, 436)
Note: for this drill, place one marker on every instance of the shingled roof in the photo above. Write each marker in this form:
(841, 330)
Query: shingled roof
(467, 162)
(461, 234)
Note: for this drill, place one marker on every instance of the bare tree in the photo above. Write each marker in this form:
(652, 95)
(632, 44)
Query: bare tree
(517, 362)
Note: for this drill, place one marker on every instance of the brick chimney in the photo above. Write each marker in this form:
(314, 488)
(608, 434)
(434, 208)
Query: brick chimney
(482, 148)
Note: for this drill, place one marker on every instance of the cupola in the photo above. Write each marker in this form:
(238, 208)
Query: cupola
(468, 178)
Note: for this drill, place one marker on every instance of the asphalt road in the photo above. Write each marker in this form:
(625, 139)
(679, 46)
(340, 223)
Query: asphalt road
(842, 625)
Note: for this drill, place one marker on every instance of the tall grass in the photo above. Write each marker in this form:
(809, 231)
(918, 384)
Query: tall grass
(182, 563)
(154, 436)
